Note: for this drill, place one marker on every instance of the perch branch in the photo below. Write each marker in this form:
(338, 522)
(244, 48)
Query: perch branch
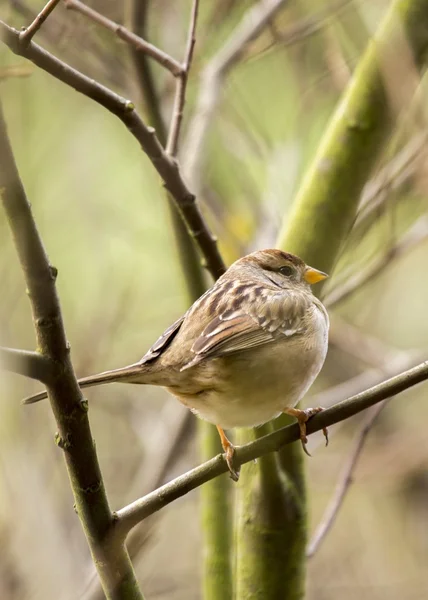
(135, 512)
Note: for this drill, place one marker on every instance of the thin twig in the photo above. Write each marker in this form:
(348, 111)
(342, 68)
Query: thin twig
(252, 24)
(187, 252)
(165, 165)
(27, 35)
(180, 92)
(161, 57)
(135, 512)
(110, 66)
(352, 281)
(344, 483)
(29, 364)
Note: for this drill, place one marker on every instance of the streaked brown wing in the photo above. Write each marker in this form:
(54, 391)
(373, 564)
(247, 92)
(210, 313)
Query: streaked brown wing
(258, 316)
(223, 337)
(163, 342)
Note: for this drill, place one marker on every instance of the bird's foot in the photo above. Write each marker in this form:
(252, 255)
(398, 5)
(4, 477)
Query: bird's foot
(229, 450)
(303, 417)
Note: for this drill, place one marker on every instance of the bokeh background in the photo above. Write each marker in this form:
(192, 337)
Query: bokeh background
(105, 222)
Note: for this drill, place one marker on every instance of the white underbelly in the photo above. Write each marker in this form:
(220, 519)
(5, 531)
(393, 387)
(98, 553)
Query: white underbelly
(263, 390)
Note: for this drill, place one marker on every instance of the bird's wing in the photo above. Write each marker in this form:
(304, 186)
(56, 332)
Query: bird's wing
(163, 342)
(259, 316)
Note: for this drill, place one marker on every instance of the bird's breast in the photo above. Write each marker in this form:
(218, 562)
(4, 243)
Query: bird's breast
(252, 387)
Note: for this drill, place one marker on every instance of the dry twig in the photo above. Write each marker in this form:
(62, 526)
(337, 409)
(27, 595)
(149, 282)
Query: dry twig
(128, 36)
(27, 35)
(180, 93)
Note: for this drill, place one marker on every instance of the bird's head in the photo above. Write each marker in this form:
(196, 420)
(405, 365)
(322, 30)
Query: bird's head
(282, 268)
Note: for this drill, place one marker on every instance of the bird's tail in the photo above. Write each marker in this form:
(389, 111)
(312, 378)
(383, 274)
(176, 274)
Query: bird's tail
(129, 374)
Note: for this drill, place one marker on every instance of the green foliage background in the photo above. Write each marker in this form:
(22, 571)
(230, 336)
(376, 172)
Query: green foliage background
(103, 217)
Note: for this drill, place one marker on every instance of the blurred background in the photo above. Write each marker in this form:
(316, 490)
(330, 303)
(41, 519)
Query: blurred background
(105, 222)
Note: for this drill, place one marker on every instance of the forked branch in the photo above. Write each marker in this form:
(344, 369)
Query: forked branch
(74, 433)
(27, 34)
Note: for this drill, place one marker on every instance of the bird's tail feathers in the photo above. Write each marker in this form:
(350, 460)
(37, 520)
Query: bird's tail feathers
(127, 374)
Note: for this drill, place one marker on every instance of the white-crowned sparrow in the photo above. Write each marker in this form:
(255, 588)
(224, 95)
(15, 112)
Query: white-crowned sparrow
(246, 351)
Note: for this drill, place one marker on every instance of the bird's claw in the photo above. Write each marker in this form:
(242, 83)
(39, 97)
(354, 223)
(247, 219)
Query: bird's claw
(230, 453)
(303, 417)
(229, 450)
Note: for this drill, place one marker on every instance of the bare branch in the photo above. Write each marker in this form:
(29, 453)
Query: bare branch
(351, 282)
(29, 364)
(135, 512)
(251, 25)
(74, 433)
(180, 92)
(27, 35)
(344, 483)
(161, 57)
(165, 165)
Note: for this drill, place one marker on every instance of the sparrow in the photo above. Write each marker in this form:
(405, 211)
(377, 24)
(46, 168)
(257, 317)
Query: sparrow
(245, 352)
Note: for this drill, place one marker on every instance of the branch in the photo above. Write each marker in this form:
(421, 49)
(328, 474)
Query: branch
(345, 481)
(165, 165)
(29, 364)
(135, 512)
(180, 92)
(252, 24)
(74, 433)
(27, 35)
(161, 57)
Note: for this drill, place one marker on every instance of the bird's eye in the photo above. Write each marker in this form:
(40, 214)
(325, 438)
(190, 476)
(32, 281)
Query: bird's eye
(287, 271)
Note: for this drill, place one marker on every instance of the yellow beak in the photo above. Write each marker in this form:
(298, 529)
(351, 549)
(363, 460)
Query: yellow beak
(313, 275)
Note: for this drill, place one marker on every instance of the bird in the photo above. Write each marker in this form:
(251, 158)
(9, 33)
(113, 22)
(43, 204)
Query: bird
(245, 352)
